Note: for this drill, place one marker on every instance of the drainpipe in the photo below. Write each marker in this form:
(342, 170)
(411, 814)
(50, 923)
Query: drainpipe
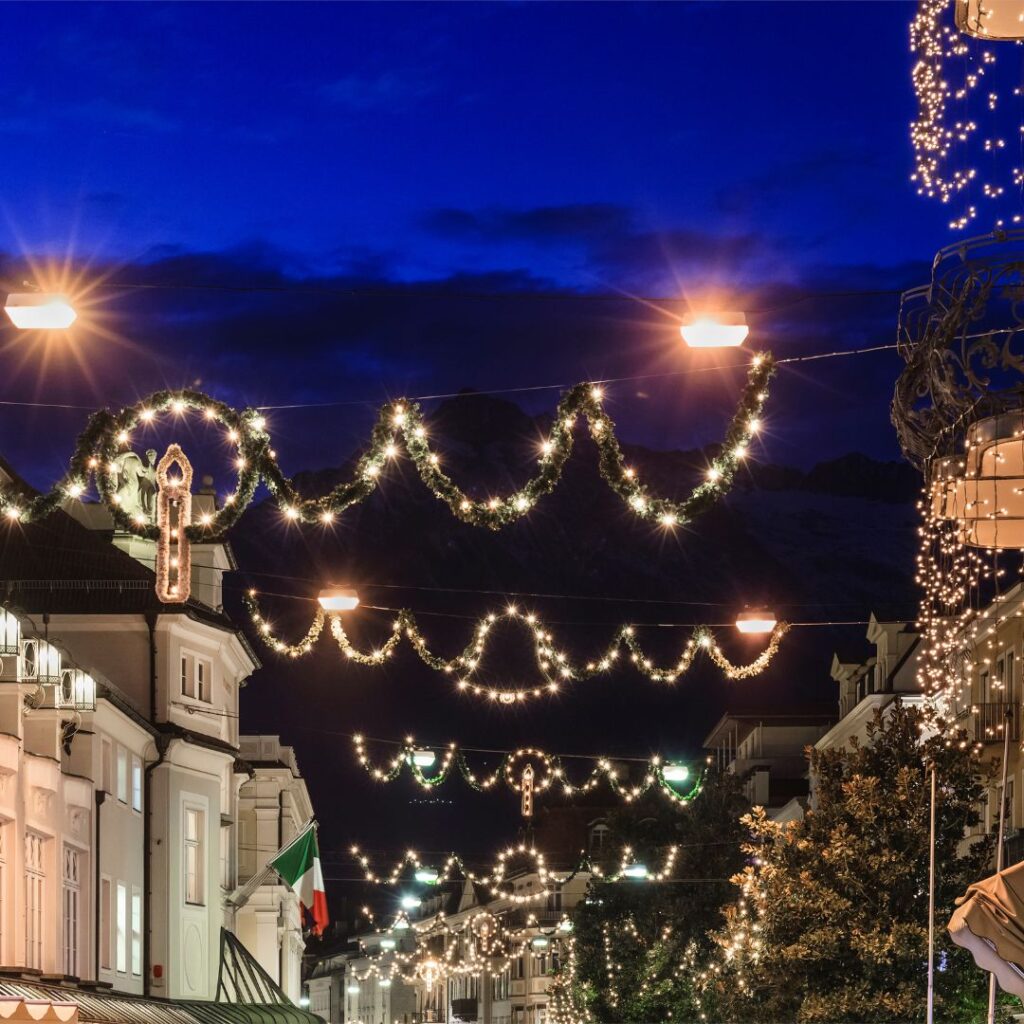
(101, 796)
(162, 743)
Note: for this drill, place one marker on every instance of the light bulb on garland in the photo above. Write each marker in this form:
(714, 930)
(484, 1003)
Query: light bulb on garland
(107, 434)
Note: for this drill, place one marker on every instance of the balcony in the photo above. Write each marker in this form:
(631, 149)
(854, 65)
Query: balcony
(990, 720)
(464, 1010)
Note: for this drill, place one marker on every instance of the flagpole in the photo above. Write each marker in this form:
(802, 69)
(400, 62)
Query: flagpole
(931, 904)
(1007, 721)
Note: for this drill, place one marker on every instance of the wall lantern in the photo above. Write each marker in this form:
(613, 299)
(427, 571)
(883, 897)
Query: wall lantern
(39, 311)
(77, 689)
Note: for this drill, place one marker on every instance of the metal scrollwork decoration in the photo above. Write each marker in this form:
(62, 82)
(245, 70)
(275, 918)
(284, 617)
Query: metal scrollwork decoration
(960, 337)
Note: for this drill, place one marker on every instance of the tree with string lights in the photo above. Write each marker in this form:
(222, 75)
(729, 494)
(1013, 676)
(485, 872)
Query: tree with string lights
(634, 938)
(831, 923)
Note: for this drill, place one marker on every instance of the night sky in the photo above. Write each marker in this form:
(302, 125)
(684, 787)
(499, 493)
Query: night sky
(329, 205)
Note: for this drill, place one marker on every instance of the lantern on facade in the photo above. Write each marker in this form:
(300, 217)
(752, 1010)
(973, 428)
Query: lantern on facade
(40, 662)
(39, 311)
(10, 632)
(77, 690)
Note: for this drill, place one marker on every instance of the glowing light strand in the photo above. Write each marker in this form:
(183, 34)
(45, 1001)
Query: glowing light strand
(552, 661)
(109, 434)
(552, 774)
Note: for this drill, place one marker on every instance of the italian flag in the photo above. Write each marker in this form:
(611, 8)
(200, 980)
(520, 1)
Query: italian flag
(299, 865)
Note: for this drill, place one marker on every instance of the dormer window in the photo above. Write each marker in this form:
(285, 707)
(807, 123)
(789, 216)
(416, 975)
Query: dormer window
(196, 677)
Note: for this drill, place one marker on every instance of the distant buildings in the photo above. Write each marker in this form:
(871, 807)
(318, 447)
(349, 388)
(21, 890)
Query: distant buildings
(130, 807)
(455, 926)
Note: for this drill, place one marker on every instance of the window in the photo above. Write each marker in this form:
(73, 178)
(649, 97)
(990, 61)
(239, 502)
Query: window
(35, 887)
(105, 896)
(598, 838)
(136, 931)
(3, 881)
(122, 928)
(1009, 680)
(122, 774)
(196, 677)
(519, 968)
(193, 855)
(555, 901)
(72, 892)
(540, 964)
(136, 783)
(985, 692)
(105, 756)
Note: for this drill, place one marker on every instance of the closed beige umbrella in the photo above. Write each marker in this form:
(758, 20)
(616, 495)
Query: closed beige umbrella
(989, 923)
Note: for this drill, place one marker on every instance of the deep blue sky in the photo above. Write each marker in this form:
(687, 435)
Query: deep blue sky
(759, 150)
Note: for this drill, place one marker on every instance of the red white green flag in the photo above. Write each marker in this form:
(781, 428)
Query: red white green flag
(298, 864)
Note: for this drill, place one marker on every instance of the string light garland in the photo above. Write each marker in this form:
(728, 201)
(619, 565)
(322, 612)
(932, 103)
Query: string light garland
(454, 867)
(109, 434)
(552, 661)
(550, 773)
(950, 68)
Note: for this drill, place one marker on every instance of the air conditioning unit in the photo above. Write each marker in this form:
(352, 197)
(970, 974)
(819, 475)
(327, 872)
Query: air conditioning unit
(39, 662)
(76, 689)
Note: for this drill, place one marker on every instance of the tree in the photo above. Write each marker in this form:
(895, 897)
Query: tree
(633, 940)
(832, 919)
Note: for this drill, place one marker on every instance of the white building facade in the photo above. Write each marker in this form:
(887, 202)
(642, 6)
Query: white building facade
(119, 816)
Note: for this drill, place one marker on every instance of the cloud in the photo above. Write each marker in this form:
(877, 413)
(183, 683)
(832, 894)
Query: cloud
(385, 89)
(573, 223)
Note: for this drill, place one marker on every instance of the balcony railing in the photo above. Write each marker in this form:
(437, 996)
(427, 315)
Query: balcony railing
(991, 719)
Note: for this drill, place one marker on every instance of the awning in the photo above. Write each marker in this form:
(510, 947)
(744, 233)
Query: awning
(989, 923)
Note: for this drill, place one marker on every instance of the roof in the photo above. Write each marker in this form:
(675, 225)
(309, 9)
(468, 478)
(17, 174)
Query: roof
(58, 565)
(810, 714)
(97, 1006)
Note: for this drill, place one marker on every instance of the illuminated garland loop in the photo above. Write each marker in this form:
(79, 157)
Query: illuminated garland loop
(553, 663)
(109, 434)
(552, 772)
(454, 867)
(483, 942)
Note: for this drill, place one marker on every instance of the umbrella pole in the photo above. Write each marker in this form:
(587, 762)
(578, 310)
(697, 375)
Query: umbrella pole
(931, 905)
(999, 846)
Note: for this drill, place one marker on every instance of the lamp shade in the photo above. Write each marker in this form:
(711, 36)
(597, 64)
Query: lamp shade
(423, 758)
(714, 330)
(759, 621)
(39, 311)
(338, 599)
(675, 773)
(77, 690)
(991, 20)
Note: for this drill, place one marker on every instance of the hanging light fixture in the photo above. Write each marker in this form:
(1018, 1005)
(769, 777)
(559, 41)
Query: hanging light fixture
(388, 943)
(540, 942)
(423, 757)
(352, 989)
(759, 621)
(338, 599)
(675, 773)
(635, 871)
(428, 876)
(410, 902)
(714, 330)
(39, 311)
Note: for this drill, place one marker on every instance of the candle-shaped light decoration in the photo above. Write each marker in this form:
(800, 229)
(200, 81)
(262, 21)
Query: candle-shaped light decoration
(526, 787)
(173, 515)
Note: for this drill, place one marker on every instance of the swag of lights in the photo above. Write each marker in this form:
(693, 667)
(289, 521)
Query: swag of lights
(664, 777)
(554, 663)
(399, 423)
(495, 880)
